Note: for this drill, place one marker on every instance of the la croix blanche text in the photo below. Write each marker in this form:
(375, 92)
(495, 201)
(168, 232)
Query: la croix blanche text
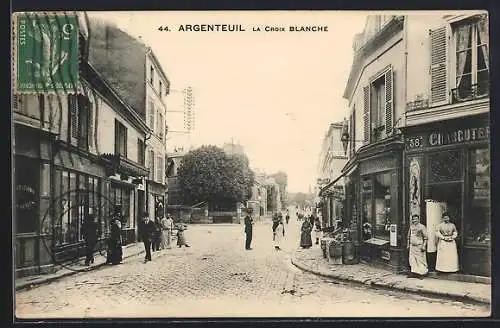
(241, 28)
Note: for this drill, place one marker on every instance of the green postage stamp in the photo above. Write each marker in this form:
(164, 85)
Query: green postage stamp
(46, 52)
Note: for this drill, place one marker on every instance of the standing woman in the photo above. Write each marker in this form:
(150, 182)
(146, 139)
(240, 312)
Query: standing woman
(163, 237)
(305, 235)
(115, 253)
(169, 223)
(447, 254)
(90, 235)
(279, 233)
(157, 235)
(181, 238)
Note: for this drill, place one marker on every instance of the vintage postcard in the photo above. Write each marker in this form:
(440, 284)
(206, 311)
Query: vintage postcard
(175, 164)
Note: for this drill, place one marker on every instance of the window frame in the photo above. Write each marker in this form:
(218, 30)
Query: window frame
(473, 22)
(120, 133)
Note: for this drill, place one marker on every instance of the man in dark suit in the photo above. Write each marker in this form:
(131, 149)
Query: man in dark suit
(248, 228)
(146, 231)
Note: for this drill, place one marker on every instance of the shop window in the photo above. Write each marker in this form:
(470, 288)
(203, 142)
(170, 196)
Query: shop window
(366, 207)
(477, 231)
(120, 196)
(382, 201)
(73, 208)
(45, 214)
(445, 166)
(27, 173)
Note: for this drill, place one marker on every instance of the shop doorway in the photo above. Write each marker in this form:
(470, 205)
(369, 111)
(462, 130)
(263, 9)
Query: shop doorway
(450, 194)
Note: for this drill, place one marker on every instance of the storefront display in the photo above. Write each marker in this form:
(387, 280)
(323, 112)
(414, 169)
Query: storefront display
(455, 166)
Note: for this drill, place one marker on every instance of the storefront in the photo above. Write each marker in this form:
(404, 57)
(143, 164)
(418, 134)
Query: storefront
(373, 203)
(156, 201)
(32, 197)
(447, 168)
(77, 190)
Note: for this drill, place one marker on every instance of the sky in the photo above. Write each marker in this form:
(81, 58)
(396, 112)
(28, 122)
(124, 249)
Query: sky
(273, 92)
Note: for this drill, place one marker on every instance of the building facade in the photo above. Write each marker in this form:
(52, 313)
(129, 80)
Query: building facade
(73, 154)
(418, 97)
(447, 134)
(373, 174)
(140, 80)
(329, 182)
(174, 194)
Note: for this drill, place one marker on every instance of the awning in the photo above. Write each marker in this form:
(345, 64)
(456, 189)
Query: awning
(329, 188)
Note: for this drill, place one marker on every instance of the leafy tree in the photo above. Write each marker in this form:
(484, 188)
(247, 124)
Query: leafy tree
(209, 174)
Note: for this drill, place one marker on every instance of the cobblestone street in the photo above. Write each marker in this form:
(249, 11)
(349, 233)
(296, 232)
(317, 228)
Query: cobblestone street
(216, 276)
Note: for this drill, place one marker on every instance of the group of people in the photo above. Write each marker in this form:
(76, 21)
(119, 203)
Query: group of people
(278, 228)
(156, 234)
(447, 253)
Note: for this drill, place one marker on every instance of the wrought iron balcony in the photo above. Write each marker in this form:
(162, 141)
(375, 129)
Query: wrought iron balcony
(475, 91)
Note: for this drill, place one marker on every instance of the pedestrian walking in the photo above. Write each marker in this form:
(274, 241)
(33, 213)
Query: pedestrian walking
(287, 217)
(279, 234)
(90, 235)
(156, 235)
(146, 232)
(115, 252)
(181, 237)
(317, 230)
(166, 226)
(248, 229)
(417, 246)
(447, 254)
(305, 234)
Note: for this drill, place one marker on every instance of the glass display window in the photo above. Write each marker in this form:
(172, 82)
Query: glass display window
(478, 225)
(382, 201)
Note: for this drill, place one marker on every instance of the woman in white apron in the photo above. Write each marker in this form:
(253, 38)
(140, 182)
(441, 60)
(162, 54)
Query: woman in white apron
(279, 234)
(447, 254)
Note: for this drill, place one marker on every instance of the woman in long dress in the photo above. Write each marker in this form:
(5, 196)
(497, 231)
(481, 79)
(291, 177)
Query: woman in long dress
(181, 238)
(163, 237)
(115, 253)
(279, 233)
(447, 254)
(317, 230)
(417, 246)
(305, 234)
(169, 223)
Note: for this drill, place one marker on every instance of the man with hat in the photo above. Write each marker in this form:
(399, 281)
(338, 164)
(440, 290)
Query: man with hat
(248, 228)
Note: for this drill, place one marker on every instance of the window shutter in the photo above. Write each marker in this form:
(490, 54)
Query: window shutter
(366, 114)
(117, 137)
(439, 68)
(73, 110)
(389, 101)
(151, 115)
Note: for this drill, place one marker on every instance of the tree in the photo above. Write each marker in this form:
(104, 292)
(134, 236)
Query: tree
(301, 199)
(282, 180)
(208, 174)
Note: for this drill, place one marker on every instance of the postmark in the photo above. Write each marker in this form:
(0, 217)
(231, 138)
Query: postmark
(45, 52)
(64, 232)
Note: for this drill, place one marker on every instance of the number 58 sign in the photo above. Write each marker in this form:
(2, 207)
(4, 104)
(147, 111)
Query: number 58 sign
(414, 142)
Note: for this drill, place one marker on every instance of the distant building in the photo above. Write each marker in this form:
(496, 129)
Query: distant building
(233, 148)
(174, 194)
(330, 184)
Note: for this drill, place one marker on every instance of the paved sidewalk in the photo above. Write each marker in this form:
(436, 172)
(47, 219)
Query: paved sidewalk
(312, 260)
(129, 251)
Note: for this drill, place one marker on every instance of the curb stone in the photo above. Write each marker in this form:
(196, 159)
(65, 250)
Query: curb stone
(47, 280)
(376, 283)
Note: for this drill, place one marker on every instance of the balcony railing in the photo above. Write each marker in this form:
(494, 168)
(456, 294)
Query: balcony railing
(475, 91)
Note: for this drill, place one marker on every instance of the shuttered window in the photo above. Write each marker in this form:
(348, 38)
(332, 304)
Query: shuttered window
(160, 170)
(140, 151)
(151, 115)
(366, 114)
(120, 139)
(389, 103)
(439, 68)
(73, 115)
(151, 165)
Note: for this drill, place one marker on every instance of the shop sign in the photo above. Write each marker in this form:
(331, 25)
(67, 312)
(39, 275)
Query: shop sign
(25, 197)
(441, 138)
